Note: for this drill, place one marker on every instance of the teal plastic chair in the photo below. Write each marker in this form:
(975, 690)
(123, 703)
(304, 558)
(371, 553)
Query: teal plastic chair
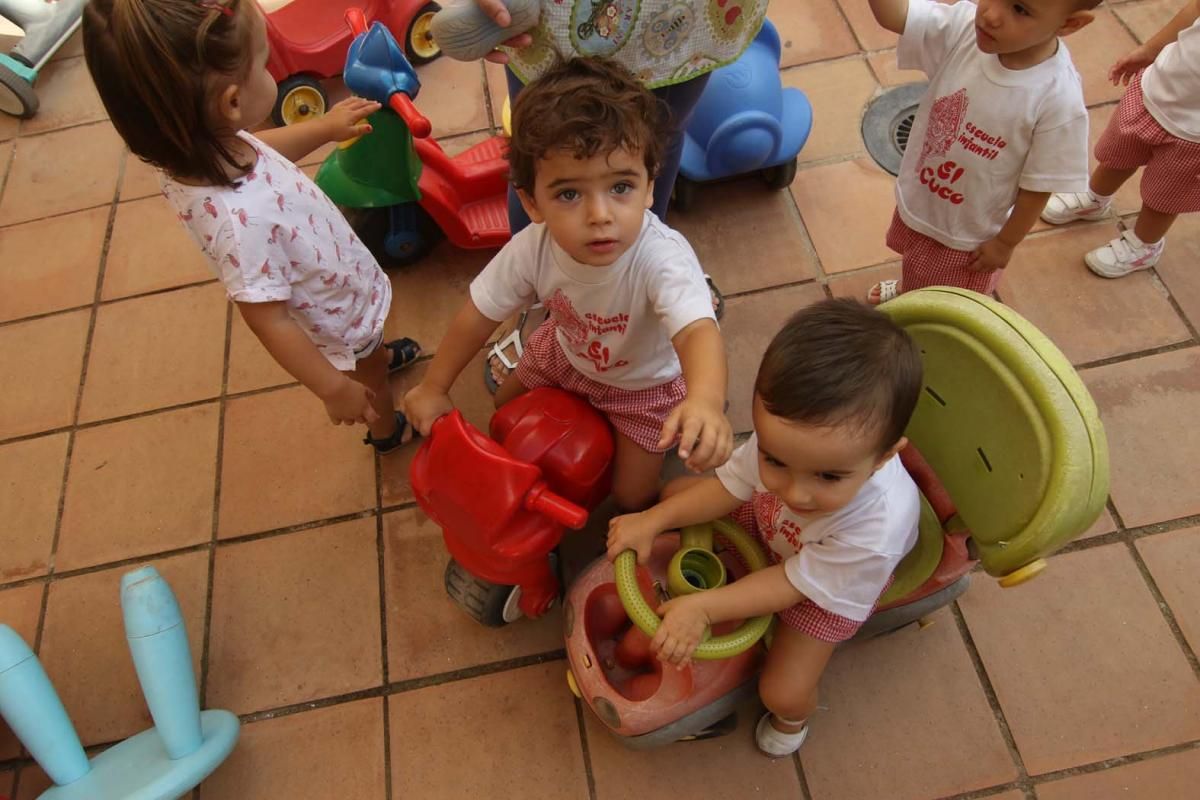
(162, 763)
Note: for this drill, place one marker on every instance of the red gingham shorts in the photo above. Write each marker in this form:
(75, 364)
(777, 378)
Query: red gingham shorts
(928, 262)
(1133, 138)
(806, 616)
(638, 414)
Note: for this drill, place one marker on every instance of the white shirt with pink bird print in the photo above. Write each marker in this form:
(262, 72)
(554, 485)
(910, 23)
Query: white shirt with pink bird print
(276, 237)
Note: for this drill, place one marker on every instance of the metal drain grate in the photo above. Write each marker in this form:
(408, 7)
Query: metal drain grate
(887, 124)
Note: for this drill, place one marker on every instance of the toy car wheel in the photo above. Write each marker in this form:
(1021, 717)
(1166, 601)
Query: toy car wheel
(419, 45)
(781, 176)
(17, 97)
(300, 98)
(683, 194)
(487, 603)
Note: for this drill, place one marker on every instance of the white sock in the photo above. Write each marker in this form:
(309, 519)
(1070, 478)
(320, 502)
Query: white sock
(1102, 199)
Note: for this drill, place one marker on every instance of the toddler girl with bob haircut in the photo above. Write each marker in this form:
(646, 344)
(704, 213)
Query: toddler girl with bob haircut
(182, 80)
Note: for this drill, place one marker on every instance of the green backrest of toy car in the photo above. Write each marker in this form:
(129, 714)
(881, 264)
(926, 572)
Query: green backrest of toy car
(921, 561)
(1007, 425)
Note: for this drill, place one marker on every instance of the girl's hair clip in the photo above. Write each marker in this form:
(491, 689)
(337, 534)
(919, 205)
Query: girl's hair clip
(215, 5)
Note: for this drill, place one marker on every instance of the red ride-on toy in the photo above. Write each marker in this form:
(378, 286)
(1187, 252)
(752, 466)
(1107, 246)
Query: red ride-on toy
(503, 503)
(398, 174)
(308, 42)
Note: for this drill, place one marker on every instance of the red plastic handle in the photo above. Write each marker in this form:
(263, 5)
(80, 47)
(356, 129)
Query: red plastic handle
(557, 508)
(403, 105)
(357, 20)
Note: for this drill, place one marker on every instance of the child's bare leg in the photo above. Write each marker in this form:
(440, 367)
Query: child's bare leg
(635, 475)
(1105, 181)
(509, 390)
(1151, 225)
(372, 372)
(788, 686)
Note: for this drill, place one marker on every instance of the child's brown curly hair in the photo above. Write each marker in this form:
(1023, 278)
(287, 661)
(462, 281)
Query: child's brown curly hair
(585, 106)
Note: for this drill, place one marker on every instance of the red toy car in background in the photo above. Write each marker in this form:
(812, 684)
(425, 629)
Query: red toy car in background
(309, 39)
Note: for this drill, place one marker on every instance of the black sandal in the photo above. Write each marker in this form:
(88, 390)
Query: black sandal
(396, 440)
(404, 352)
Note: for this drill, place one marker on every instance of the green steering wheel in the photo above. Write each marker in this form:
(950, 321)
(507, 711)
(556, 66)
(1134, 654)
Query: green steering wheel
(715, 647)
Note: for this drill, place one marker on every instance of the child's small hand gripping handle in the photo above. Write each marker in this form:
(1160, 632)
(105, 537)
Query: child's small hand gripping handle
(556, 507)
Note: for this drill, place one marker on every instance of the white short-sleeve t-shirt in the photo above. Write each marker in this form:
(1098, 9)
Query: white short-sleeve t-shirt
(615, 323)
(983, 131)
(277, 237)
(1171, 85)
(841, 561)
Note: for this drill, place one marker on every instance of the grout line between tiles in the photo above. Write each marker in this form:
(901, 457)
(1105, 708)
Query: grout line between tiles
(381, 552)
(588, 772)
(1119, 761)
(1164, 608)
(1152, 351)
(205, 649)
(989, 692)
(798, 763)
(101, 302)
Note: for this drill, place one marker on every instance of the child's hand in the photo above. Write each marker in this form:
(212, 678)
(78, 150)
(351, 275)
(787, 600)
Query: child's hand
(350, 402)
(1129, 64)
(423, 405)
(347, 119)
(683, 625)
(990, 256)
(632, 532)
(705, 437)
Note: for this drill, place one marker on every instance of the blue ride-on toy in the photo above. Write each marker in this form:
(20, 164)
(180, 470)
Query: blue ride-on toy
(744, 122)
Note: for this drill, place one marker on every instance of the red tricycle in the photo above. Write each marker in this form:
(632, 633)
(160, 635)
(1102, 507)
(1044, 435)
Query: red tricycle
(1004, 495)
(399, 174)
(545, 467)
(308, 43)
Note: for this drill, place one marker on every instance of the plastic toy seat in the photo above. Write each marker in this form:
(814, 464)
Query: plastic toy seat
(1008, 427)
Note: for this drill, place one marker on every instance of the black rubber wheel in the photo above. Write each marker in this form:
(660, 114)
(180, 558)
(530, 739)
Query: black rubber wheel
(483, 601)
(781, 176)
(17, 96)
(299, 98)
(683, 194)
(372, 226)
(419, 45)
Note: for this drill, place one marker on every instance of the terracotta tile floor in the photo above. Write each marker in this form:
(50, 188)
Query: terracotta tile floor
(140, 421)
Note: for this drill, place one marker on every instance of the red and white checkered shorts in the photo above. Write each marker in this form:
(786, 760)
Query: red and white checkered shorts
(638, 414)
(1133, 138)
(806, 616)
(928, 262)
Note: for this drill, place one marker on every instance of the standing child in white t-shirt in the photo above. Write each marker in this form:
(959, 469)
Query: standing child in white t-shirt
(1156, 126)
(1002, 125)
(821, 486)
(181, 82)
(631, 325)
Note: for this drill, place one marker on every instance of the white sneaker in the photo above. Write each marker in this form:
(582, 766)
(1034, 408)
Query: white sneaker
(1063, 207)
(776, 743)
(1123, 255)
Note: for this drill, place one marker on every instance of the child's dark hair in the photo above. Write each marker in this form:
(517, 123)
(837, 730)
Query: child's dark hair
(584, 106)
(153, 62)
(838, 362)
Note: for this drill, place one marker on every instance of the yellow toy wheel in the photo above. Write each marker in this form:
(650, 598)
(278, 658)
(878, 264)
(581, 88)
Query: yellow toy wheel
(419, 44)
(300, 98)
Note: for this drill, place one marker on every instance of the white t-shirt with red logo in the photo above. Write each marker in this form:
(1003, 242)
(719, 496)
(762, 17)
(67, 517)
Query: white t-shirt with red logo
(1171, 85)
(983, 130)
(277, 237)
(841, 561)
(615, 323)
